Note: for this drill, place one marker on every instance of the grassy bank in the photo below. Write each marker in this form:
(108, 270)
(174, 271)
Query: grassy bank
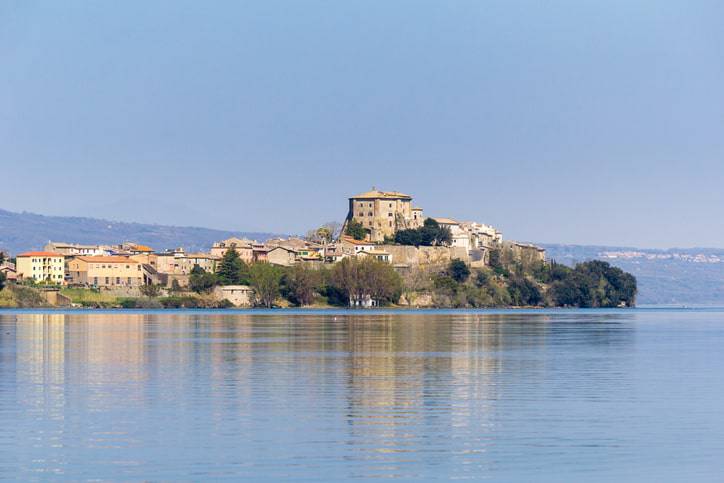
(86, 297)
(18, 296)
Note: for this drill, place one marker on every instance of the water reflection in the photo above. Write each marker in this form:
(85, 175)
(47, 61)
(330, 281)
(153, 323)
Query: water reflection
(290, 395)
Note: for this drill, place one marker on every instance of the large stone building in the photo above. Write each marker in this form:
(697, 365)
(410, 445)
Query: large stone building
(383, 213)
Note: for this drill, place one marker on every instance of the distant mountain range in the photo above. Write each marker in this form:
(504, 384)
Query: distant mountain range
(691, 276)
(676, 276)
(27, 231)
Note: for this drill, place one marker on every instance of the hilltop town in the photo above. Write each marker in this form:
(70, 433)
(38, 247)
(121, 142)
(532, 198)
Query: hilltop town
(382, 228)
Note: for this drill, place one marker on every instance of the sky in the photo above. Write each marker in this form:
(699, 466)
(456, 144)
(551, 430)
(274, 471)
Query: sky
(581, 122)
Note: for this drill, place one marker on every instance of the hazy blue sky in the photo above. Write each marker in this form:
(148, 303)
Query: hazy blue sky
(558, 121)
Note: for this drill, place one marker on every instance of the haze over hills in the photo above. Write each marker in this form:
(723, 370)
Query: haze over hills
(691, 276)
(28, 231)
(676, 276)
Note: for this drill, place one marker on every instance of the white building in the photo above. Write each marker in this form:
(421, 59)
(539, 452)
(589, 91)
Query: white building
(460, 237)
(481, 235)
(76, 249)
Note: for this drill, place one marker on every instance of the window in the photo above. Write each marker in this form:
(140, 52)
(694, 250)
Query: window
(390, 205)
(129, 281)
(389, 214)
(118, 280)
(370, 213)
(108, 281)
(95, 280)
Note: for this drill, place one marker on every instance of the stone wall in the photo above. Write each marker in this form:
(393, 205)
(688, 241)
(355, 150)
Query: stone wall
(54, 297)
(425, 256)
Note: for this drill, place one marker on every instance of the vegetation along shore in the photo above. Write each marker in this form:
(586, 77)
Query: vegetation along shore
(506, 283)
(385, 253)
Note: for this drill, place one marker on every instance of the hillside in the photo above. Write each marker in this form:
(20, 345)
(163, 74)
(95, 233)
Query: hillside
(692, 276)
(677, 276)
(27, 231)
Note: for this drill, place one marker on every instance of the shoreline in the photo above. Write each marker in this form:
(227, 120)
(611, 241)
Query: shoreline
(342, 310)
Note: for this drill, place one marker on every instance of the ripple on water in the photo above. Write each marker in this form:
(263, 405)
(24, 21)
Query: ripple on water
(549, 395)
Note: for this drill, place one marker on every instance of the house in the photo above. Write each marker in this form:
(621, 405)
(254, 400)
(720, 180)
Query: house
(259, 253)
(204, 260)
(239, 295)
(172, 262)
(283, 256)
(74, 249)
(333, 254)
(383, 213)
(482, 236)
(293, 243)
(459, 237)
(347, 243)
(10, 274)
(136, 249)
(41, 267)
(306, 250)
(377, 254)
(244, 247)
(106, 272)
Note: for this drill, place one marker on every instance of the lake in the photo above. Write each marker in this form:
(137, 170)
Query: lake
(559, 395)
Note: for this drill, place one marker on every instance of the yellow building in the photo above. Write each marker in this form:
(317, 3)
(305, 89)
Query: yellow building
(112, 271)
(41, 267)
(383, 213)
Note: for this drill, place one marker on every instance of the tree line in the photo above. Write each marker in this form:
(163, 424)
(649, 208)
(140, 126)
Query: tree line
(506, 282)
(351, 280)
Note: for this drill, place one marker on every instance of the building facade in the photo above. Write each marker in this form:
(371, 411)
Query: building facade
(105, 272)
(242, 246)
(41, 267)
(383, 213)
(459, 237)
(282, 256)
(75, 249)
(482, 236)
(239, 295)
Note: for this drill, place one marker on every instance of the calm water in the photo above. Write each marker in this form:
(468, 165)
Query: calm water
(559, 396)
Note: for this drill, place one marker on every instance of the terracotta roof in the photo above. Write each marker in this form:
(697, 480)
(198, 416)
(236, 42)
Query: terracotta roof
(110, 259)
(41, 254)
(141, 248)
(377, 194)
